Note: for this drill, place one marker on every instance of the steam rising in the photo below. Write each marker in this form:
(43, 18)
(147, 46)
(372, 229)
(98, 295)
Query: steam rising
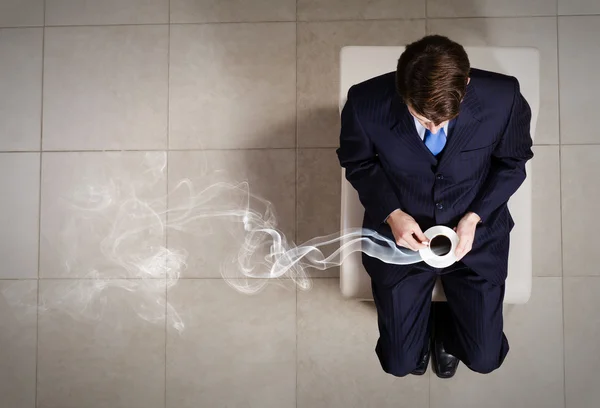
(138, 235)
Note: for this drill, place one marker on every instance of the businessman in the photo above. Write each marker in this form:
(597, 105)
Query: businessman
(438, 143)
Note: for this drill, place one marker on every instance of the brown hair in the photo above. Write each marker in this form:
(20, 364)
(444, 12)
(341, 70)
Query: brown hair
(431, 77)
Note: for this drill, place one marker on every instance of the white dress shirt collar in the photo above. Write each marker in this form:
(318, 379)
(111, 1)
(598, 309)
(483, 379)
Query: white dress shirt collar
(421, 130)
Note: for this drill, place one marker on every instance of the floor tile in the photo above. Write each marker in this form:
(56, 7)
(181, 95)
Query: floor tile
(580, 194)
(235, 350)
(310, 10)
(319, 199)
(579, 54)
(95, 346)
(532, 373)
(93, 12)
(566, 7)
(582, 330)
(210, 215)
(105, 88)
(19, 214)
(18, 317)
(18, 13)
(337, 364)
(547, 251)
(319, 46)
(21, 87)
(527, 32)
(209, 11)
(103, 215)
(490, 8)
(243, 96)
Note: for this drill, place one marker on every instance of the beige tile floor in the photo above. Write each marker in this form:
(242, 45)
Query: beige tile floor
(93, 94)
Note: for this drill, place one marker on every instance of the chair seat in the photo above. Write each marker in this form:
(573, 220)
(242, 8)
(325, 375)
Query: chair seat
(359, 63)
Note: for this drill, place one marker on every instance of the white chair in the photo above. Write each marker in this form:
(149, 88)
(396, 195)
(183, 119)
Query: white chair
(359, 63)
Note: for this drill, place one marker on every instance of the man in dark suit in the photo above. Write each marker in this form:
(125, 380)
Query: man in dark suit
(438, 143)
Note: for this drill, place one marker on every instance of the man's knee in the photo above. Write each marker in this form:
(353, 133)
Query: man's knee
(484, 362)
(398, 364)
(398, 367)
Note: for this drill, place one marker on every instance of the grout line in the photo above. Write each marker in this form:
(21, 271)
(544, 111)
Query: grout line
(169, 24)
(229, 22)
(166, 334)
(167, 182)
(236, 149)
(426, 19)
(105, 25)
(155, 150)
(562, 263)
(167, 196)
(19, 27)
(221, 278)
(300, 21)
(491, 17)
(429, 377)
(578, 15)
(296, 199)
(39, 232)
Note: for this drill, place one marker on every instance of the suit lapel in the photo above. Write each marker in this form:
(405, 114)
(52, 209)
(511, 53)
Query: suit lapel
(405, 130)
(466, 126)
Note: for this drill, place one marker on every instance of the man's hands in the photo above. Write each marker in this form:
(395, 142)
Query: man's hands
(407, 232)
(466, 234)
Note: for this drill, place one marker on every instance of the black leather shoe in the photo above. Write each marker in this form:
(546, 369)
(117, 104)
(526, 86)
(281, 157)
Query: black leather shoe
(444, 363)
(423, 362)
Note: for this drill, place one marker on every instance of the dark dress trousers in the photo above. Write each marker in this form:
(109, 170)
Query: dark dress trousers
(481, 166)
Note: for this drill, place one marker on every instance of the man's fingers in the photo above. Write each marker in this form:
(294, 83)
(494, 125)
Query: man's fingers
(420, 236)
(409, 242)
(410, 236)
(414, 244)
(464, 246)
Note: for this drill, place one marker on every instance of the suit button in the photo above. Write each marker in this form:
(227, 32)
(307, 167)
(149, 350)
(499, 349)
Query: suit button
(439, 177)
(439, 206)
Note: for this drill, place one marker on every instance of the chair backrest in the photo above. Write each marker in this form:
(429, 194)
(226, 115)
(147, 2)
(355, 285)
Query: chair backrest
(359, 63)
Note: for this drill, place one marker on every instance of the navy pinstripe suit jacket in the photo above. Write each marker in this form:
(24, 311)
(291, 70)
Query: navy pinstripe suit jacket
(481, 166)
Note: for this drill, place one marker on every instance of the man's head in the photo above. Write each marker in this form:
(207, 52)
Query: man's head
(432, 78)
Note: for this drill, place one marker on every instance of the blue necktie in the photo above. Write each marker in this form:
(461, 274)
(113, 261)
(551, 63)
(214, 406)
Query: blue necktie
(435, 142)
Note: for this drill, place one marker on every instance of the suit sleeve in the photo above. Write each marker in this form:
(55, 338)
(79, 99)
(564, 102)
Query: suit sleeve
(363, 169)
(507, 172)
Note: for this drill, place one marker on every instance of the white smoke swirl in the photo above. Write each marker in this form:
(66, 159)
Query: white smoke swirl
(133, 254)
